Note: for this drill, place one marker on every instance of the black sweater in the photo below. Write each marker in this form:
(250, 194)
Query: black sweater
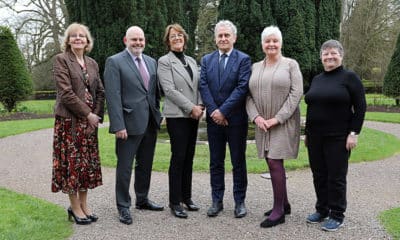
(335, 103)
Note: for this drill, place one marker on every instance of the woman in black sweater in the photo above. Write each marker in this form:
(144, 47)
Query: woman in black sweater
(335, 113)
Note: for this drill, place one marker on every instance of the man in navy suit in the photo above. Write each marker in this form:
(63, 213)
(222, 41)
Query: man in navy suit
(224, 86)
(133, 102)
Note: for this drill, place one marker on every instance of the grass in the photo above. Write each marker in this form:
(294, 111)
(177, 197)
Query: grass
(373, 145)
(32, 106)
(26, 217)
(8, 128)
(390, 220)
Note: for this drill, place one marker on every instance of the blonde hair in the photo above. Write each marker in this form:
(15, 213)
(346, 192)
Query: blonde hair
(73, 28)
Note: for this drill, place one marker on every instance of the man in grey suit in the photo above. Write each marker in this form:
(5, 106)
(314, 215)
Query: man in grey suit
(133, 101)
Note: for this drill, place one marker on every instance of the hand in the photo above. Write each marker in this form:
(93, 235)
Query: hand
(122, 134)
(197, 112)
(351, 141)
(93, 120)
(261, 123)
(272, 122)
(219, 118)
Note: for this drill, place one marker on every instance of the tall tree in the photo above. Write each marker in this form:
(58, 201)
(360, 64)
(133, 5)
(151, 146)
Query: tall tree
(190, 8)
(369, 31)
(208, 15)
(107, 21)
(15, 81)
(391, 83)
(250, 19)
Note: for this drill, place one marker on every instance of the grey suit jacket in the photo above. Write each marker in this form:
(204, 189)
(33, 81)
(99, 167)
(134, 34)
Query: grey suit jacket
(129, 104)
(181, 92)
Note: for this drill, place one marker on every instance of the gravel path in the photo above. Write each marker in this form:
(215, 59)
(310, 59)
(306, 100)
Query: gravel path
(25, 166)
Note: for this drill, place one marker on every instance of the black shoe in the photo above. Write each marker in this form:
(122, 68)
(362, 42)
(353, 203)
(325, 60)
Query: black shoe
(78, 220)
(93, 217)
(150, 205)
(125, 216)
(178, 211)
(190, 205)
(240, 210)
(270, 223)
(287, 210)
(215, 208)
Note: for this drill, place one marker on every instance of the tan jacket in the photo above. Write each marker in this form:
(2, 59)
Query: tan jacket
(68, 77)
(276, 93)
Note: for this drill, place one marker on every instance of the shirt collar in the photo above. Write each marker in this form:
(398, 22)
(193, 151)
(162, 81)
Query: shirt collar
(227, 53)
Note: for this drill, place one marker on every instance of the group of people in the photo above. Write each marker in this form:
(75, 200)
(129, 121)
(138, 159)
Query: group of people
(232, 91)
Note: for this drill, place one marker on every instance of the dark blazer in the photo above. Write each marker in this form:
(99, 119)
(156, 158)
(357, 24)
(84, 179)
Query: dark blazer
(181, 92)
(67, 74)
(129, 103)
(229, 93)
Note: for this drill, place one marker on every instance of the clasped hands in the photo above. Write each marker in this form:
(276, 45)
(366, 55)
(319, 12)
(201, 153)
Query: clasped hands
(219, 118)
(197, 112)
(265, 124)
(93, 122)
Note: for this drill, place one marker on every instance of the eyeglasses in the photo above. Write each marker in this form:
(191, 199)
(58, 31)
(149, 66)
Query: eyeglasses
(175, 36)
(77, 35)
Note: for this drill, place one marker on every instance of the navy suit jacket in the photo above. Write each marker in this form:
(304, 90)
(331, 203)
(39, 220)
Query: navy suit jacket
(229, 93)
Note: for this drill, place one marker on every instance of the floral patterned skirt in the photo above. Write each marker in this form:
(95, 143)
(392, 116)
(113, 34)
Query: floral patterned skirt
(76, 161)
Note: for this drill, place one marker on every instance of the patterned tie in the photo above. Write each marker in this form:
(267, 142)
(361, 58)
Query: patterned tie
(222, 64)
(143, 73)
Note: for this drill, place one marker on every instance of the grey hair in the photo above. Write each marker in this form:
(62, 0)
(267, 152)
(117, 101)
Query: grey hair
(226, 23)
(271, 30)
(332, 44)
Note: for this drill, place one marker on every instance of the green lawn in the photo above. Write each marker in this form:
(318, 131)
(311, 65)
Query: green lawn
(390, 219)
(26, 217)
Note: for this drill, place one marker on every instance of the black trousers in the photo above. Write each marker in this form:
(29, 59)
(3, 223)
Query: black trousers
(140, 147)
(183, 136)
(328, 158)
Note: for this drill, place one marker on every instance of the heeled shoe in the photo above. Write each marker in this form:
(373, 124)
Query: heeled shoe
(270, 223)
(93, 217)
(78, 220)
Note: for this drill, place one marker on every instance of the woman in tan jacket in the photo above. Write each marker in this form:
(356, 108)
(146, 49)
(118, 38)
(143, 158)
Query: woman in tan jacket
(78, 110)
(276, 87)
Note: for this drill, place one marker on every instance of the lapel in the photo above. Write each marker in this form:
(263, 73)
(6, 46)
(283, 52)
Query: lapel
(132, 65)
(177, 67)
(76, 67)
(228, 67)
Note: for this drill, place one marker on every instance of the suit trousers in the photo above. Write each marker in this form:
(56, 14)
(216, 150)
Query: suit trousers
(218, 137)
(329, 163)
(141, 148)
(183, 136)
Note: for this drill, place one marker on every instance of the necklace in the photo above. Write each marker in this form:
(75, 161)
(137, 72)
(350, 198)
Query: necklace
(184, 62)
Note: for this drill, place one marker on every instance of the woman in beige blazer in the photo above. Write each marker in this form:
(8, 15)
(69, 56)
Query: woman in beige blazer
(79, 109)
(276, 87)
(178, 75)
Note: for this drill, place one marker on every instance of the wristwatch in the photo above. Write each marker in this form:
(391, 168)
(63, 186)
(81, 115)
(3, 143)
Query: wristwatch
(353, 134)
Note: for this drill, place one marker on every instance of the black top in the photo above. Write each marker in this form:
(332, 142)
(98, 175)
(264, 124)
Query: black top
(335, 103)
(181, 57)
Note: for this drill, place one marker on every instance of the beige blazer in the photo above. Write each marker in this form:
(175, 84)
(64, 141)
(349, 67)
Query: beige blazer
(67, 74)
(276, 92)
(181, 92)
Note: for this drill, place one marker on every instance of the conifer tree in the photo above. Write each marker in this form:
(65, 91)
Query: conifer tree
(391, 82)
(15, 81)
(107, 22)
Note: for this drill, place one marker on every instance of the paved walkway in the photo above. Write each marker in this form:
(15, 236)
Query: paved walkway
(25, 166)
